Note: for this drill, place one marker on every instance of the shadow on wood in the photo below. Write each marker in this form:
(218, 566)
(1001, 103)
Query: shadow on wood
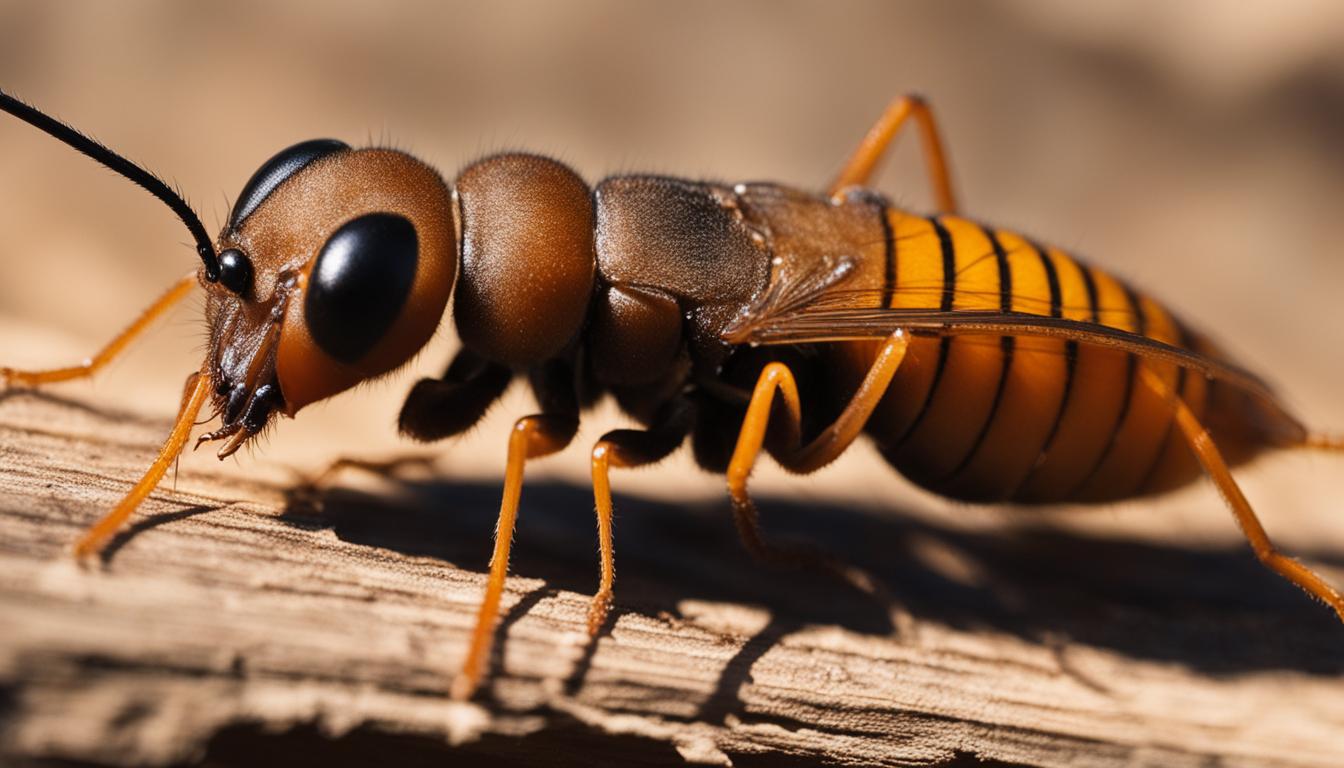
(1145, 600)
(234, 620)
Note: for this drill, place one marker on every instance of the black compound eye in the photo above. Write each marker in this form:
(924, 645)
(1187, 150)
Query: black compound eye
(235, 271)
(274, 171)
(360, 282)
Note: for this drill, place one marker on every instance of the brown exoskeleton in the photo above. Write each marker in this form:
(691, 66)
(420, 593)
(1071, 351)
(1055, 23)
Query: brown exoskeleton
(985, 366)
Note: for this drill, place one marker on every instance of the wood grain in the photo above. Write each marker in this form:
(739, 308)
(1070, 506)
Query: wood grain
(241, 622)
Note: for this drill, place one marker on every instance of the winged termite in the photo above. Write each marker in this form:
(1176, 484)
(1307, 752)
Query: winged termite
(984, 365)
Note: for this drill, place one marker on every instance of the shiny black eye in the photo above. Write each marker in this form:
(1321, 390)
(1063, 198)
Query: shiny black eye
(361, 279)
(274, 171)
(235, 271)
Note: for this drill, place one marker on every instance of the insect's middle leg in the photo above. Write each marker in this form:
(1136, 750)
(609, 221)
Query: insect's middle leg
(628, 448)
(532, 437)
(116, 346)
(859, 168)
(1206, 451)
(800, 458)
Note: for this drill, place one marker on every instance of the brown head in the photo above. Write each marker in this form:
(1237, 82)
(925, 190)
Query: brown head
(334, 268)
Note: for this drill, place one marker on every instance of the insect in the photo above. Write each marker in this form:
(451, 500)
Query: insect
(985, 366)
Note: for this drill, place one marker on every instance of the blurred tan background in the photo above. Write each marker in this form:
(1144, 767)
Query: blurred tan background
(1194, 148)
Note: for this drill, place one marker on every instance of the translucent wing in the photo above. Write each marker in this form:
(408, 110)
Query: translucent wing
(815, 307)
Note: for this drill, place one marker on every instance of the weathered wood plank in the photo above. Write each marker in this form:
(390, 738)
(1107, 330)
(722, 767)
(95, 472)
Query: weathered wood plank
(239, 617)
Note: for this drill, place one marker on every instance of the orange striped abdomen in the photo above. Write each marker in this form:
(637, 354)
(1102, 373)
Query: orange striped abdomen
(1023, 418)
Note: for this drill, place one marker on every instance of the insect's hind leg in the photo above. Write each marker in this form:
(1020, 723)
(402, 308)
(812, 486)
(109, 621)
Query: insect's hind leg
(1206, 451)
(859, 168)
(161, 305)
(628, 448)
(803, 459)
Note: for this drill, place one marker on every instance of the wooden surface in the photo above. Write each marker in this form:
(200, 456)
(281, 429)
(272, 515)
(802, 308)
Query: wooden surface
(239, 622)
(1194, 152)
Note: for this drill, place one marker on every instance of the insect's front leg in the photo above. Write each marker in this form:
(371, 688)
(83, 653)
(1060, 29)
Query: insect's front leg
(434, 409)
(96, 538)
(443, 407)
(160, 307)
(532, 437)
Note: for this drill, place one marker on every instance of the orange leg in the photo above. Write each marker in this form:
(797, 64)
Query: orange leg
(98, 535)
(859, 168)
(380, 467)
(604, 454)
(309, 488)
(532, 437)
(804, 459)
(1201, 442)
(180, 289)
(627, 448)
(1322, 442)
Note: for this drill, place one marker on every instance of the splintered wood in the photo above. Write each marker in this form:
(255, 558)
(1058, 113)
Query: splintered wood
(243, 618)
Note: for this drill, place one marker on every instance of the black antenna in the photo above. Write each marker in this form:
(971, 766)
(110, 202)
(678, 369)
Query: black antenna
(151, 183)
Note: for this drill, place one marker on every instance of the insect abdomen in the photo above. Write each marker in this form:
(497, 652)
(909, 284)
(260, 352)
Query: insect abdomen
(1023, 418)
